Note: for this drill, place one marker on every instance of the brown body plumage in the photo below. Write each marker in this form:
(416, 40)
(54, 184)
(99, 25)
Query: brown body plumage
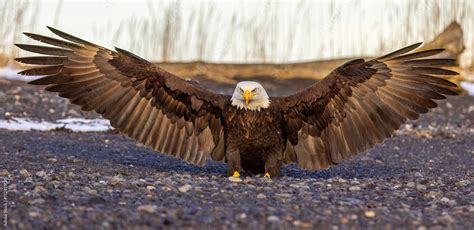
(355, 107)
(255, 140)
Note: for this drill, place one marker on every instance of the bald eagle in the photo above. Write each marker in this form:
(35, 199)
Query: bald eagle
(356, 106)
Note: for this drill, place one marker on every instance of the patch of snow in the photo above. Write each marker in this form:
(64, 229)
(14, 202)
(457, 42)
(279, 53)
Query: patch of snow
(11, 73)
(468, 86)
(73, 124)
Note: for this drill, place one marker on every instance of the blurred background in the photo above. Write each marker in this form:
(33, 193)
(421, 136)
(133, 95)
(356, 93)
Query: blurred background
(186, 37)
(242, 31)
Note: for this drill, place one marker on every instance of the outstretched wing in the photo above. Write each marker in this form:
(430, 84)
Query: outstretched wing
(142, 101)
(361, 103)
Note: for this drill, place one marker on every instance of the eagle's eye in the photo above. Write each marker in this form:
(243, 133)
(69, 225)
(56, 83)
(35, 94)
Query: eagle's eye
(241, 90)
(254, 90)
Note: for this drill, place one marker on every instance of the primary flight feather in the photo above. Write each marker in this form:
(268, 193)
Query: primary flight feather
(356, 106)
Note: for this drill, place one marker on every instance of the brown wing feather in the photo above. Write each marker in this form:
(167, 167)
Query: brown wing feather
(142, 101)
(360, 104)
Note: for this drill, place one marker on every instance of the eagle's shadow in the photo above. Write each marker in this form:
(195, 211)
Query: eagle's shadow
(128, 154)
(349, 169)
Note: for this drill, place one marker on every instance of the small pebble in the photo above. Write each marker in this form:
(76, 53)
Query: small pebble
(421, 187)
(344, 220)
(116, 180)
(25, 173)
(369, 214)
(445, 219)
(302, 224)
(185, 188)
(418, 174)
(90, 191)
(448, 201)
(166, 189)
(249, 180)
(444, 200)
(273, 218)
(149, 208)
(4, 172)
(53, 159)
(354, 188)
(150, 187)
(40, 189)
(463, 183)
(235, 179)
(471, 208)
(40, 173)
(342, 181)
(34, 214)
(37, 201)
(261, 196)
(76, 160)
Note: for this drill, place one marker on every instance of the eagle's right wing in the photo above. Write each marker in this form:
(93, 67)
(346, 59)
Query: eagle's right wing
(360, 104)
(142, 101)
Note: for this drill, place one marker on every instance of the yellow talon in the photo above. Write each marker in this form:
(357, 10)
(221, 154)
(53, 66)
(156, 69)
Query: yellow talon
(236, 174)
(267, 175)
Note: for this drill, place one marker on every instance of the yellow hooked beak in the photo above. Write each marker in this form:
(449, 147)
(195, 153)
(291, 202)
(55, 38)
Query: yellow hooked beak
(247, 96)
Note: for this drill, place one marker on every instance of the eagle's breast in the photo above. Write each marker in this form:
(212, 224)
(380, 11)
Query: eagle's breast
(255, 129)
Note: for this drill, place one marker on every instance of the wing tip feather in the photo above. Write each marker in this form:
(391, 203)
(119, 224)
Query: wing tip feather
(52, 29)
(130, 54)
(20, 45)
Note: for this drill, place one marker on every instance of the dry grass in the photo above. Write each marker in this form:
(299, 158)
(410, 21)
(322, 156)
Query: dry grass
(15, 17)
(263, 32)
(450, 38)
(279, 32)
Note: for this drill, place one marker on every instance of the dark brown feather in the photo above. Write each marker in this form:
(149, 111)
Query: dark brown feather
(361, 103)
(132, 93)
(42, 60)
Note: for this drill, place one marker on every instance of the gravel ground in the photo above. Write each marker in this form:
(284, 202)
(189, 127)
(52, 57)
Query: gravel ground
(421, 178)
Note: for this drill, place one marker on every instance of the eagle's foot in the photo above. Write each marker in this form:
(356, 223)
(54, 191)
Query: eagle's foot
(267, 175)
(236, 174)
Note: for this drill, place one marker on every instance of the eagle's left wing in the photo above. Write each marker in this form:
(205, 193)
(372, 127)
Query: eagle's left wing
(361, 103)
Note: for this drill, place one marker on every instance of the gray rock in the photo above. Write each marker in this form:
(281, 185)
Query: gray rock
(249, 180)
(354, 188)
(463, 183)
(37, 201)
(116, 180)
(421, 187)
(40, 189)
(273, 218)
(283, 196)
(235, 179)
(261, 196)
(447, 201)
(148, 208)
(34, 214)
(25, 173)
(40, 173)
(4, 173)
(185, 188)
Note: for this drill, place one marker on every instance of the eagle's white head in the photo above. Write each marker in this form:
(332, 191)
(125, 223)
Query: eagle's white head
(250, 95)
